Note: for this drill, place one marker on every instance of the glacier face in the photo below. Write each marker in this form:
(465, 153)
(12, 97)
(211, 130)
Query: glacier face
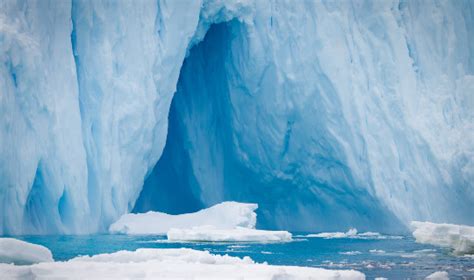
(327, 114)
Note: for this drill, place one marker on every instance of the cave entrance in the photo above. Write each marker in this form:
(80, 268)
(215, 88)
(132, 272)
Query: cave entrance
(230, 139)
(189, 175)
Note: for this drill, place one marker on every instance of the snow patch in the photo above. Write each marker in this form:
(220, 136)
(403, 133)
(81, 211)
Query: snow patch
(460, 238)
(22, 253)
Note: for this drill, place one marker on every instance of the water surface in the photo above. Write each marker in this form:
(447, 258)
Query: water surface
(400, 258)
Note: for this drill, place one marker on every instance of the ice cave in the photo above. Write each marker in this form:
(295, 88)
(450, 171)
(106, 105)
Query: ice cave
(326, 114)
(267, 139)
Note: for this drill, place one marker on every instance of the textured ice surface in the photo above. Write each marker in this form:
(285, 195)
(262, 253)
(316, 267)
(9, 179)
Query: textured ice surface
(460, 238)
(211, 233)
(225, 215)
(326, 114)
(167, 264)
(14, 251)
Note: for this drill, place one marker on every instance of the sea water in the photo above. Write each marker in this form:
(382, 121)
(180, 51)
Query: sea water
(391, 257)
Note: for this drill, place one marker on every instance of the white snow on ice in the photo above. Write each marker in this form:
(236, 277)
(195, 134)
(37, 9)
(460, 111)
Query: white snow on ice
(210, 233)
(460, 238)
(169, 263)
(21, 253)
(225, 215)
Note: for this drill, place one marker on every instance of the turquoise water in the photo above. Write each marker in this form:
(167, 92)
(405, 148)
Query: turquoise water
(391, 258)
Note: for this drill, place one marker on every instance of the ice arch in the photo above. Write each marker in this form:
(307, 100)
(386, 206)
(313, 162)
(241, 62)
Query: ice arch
(204, 161)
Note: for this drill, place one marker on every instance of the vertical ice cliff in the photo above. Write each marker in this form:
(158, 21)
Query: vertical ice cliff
(328, 114)
(43, 171)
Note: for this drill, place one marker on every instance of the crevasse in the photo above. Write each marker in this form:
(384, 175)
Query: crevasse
(326, 114)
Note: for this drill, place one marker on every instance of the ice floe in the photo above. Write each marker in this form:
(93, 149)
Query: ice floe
(22, 253)
(225, 215)
(210, 233)
(459, 238)
(438, 275)
(352, 233)
(225, 222)
(169, 263)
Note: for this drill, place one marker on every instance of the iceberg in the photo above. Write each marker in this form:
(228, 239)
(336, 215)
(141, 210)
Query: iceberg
(225, 215)
(18, 252)
(238, 234)
(169, 264)
(325, 113)
(459, 238)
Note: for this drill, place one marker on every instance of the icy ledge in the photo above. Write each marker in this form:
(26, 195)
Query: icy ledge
(240, 234)
(23, 253)
(169, 264)
(225, 215)
(460, 238)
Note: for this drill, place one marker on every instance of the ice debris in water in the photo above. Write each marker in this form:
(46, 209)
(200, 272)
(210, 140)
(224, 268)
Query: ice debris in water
(169, 264)
(352, 233)
(21, 253)
(210, 233)
(224, 222)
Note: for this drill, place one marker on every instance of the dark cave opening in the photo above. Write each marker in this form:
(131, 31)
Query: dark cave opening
(223, 144)
(198, 119)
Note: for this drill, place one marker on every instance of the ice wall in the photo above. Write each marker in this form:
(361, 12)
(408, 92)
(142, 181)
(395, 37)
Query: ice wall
(328, 114)
(43, 171)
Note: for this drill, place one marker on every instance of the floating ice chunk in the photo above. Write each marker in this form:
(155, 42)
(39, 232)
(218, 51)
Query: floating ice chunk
(169, 264)
(438, 275)
(351, 253)
(352, 233)
(210, 233)
(225, 215)
(460, 238)
(376, 251)
(21, 252)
